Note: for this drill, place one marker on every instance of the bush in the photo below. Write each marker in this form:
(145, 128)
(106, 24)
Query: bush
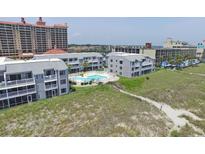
(72, 89)
(100, 83)
(147, 78)
(175, 133)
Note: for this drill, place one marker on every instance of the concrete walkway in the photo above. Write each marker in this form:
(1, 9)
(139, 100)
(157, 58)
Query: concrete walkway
(172, 114)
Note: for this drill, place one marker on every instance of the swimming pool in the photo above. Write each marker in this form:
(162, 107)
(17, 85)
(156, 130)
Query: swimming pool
(89, 78)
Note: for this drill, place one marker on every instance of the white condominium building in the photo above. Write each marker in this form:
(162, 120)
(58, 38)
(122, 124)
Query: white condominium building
(26, 81)
(77, 62)
(129, 64)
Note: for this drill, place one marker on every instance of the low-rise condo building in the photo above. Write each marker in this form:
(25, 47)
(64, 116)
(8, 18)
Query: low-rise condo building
(170, 43)
(163, 54)
(76, 62)
(171, 49)
(126, 48)
(27, 81)
(129, 64)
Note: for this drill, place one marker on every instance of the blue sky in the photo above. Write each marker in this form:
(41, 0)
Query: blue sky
(133, 31)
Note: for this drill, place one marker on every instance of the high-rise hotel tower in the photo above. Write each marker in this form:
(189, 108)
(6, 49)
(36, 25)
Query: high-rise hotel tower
(22, 39)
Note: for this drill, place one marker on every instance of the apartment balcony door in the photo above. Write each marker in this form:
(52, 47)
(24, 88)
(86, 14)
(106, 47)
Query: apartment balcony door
(54, 93)
(29, 98)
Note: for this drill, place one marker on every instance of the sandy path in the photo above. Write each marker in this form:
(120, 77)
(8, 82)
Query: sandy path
(172, 114)
(199, 74)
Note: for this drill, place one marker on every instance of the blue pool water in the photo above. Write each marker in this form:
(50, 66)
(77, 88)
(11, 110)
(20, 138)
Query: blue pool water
(90, 78)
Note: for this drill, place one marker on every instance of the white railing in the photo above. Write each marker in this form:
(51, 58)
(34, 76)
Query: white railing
(2, 84)
(3, 95)
(16, 82)
(19, 92)
(51, 86)
(50, 77)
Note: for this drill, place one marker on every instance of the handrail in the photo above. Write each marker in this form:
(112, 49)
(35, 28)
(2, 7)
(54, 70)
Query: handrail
(49, 77)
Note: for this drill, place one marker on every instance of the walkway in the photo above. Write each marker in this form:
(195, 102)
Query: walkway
(172, 114)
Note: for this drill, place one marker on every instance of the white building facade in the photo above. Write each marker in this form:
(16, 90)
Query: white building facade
(129, 65)
(77, 62)
(27, 81)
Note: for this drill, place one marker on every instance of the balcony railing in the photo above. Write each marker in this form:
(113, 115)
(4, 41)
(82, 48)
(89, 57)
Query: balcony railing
(50, 77)
(51, 86)
(20, 92)
(2, 84)
(3, 96)
(16, 82)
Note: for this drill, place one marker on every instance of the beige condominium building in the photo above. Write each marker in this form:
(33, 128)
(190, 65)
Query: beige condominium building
(171, 49)
(22, 39)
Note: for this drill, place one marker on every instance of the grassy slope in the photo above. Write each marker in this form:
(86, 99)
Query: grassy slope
(199, 69)
(173, 87)
(91, 111)
(176, 88)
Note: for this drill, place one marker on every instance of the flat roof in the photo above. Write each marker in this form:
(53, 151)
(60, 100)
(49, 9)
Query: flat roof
(129, 56)
(67, 55)
(34, 25)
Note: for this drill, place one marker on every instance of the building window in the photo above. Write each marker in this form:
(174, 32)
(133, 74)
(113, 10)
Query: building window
(62, 72)
(63, 90)
(110, 70)
(121, 62)
(111, 65)
(121, 67)
(63, 81)
(39, 76)
(132, 63)
(120, 73)
(111, 60)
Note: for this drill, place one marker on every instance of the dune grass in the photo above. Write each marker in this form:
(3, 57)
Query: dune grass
(90, 111)
(175, 88)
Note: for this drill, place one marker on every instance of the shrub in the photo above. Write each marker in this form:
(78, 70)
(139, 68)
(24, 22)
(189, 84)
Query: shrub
(100, 83)
(147, 78)
(72, 89)
(175, 133)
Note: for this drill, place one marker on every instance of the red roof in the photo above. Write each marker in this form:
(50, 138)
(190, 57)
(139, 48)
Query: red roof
(55, 51)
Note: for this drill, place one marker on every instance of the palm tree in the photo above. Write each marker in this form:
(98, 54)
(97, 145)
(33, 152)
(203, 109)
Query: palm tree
(85, 64)
(172, 61)
(179, 61)
(69, 67)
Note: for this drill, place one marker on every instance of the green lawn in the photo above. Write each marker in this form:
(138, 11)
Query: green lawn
(90, 111)
(198, 69)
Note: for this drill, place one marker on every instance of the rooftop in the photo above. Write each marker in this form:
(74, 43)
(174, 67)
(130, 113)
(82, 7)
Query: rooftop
(36, 66)
(67, 55)
(39, 23)
(55, 51)
(128, 56)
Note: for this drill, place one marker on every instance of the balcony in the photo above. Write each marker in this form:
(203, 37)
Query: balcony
(16, 82)
(50, 77)
(2, 84)
(17, 93)
(51, 86)
(21, 92)
(2, 96)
